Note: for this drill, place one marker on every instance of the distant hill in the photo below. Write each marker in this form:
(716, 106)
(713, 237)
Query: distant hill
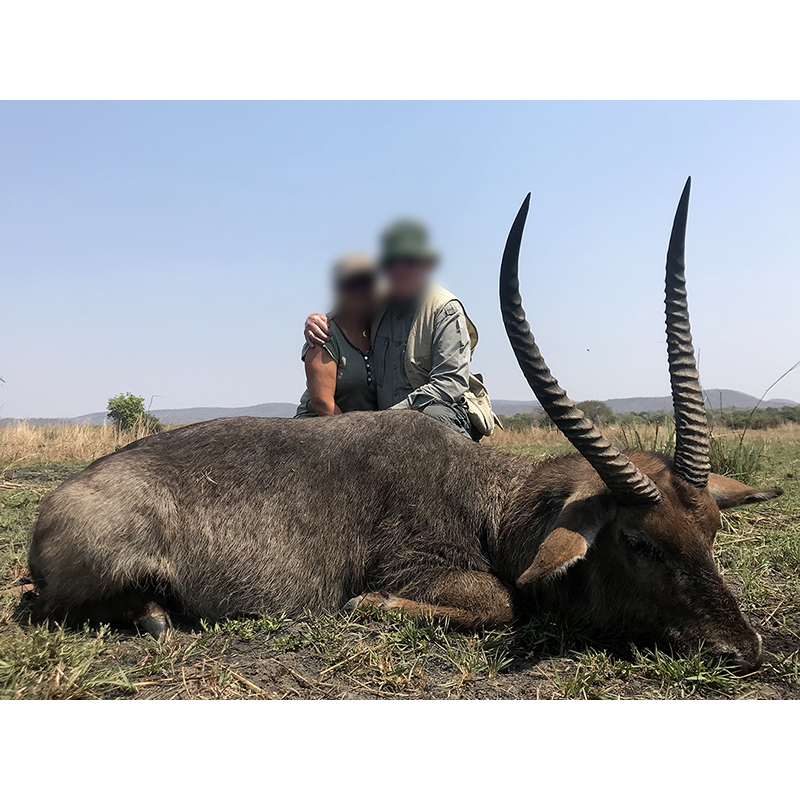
(507, 408)
(715, 398)
(175, 416)
(185, 416)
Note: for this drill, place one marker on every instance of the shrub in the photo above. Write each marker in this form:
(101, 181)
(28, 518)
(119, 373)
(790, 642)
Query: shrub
(127, 411)
(597, 411)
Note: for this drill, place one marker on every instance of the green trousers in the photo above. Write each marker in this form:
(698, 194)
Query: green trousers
(455, 418)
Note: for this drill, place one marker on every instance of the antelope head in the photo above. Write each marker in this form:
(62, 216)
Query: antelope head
(632, 549)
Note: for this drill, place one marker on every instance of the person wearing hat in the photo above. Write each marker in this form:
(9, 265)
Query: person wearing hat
(339, 372)
(422, 339)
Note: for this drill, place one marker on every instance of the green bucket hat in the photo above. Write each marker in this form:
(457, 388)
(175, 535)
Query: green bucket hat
(407, 239)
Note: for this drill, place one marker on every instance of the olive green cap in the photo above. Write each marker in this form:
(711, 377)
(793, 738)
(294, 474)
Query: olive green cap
(407, 238)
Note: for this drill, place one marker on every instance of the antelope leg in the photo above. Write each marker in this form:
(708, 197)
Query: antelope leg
(467, 598)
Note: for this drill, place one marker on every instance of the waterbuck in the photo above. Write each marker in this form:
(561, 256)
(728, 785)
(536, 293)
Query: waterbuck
(393, 509)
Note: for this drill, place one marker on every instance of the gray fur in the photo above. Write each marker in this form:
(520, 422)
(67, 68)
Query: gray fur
(249, 515)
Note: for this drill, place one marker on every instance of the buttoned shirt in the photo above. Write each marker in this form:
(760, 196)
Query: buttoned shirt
(450, 359)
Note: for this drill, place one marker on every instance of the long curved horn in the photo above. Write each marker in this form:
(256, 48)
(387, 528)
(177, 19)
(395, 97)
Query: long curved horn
(691, 424)
(625, 480)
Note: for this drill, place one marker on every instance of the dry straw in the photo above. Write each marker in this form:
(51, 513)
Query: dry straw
(26, 444)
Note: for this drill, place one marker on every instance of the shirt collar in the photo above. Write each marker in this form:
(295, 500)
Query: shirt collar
(410, 308)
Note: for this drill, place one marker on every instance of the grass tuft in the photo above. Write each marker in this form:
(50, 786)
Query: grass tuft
(658, 437)
(249, 628)
(45, 664)
(735, 458)
(684, 675)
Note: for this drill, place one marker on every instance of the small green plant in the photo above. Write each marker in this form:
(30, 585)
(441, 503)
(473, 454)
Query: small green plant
(788, 667)
(127, 412)
(586, 683)
(249, 629)
(57, 664)
(287, 644)
(478, 655)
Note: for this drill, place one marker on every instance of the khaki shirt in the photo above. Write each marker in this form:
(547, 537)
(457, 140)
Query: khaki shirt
(449, 378)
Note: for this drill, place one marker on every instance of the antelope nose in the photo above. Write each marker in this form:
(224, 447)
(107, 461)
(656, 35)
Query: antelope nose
(759, 652)
(748, 658)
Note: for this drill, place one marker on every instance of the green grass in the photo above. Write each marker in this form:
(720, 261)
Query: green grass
(248, 628)
(17, 514)
(388, 650)
(738, 459)
(686, 674)
(593, 674)
(787, 667)
(50, 663)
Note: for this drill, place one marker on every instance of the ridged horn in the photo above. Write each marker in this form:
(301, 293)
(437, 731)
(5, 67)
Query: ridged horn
(691, 424)
(624, 479)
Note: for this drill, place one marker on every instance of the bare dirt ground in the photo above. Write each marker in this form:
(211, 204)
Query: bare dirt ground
(389, 656)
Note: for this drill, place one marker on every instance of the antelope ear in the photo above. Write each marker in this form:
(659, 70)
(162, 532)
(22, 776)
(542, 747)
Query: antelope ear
(574, 532)
(728, 492)
(559, 551)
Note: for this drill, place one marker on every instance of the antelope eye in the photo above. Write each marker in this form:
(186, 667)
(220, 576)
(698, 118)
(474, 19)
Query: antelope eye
(643, 548)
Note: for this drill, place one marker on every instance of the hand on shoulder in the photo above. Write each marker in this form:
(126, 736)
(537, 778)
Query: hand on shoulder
(316, 330)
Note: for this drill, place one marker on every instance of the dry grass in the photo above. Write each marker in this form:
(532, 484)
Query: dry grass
(645, 436)
(530, 442)
(25, 444)
(530, 436)
(789, 433)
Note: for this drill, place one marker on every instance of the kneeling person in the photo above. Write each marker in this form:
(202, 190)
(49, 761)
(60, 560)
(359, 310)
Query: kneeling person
(422, 339)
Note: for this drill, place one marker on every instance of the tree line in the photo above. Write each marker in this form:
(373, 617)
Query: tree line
(601, 413)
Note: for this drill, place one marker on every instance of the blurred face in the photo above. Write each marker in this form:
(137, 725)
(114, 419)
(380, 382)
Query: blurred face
(407, 277)
(355, 296)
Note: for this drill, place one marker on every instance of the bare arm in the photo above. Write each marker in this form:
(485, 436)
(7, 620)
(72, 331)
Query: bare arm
(321, 381)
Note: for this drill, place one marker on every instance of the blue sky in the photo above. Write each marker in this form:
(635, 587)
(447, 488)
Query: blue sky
(175, 249)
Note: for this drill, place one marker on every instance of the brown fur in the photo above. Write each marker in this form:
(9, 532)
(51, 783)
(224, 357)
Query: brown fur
(250, 516)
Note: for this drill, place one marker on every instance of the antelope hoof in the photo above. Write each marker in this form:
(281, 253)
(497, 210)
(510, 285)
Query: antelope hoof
(369, 600)
(154, 620)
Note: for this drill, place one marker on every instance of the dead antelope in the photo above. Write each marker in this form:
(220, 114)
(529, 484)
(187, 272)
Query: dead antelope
(251, 516)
